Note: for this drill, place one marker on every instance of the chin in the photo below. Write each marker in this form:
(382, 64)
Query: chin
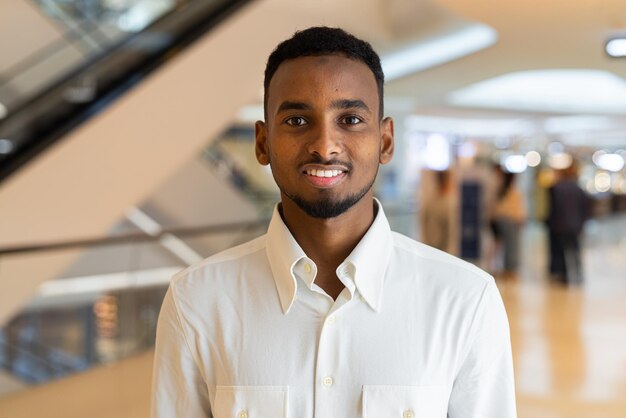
(325, 207)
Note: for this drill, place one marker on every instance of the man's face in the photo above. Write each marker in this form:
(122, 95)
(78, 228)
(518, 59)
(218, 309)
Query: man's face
(323, 136)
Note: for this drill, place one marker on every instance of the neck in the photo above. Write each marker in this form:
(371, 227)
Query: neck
(328, 241)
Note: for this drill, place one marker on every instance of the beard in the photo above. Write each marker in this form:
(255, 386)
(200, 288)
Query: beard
(328, 207)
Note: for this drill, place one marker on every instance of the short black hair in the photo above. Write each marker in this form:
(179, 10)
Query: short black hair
(322, 40)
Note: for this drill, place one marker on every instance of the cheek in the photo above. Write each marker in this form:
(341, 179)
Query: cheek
(287, 151)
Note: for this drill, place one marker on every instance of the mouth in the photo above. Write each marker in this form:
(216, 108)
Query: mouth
(323, 173)
(324, 177)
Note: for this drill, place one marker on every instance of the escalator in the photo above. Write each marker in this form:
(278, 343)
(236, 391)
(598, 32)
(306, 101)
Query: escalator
(103, 49)
(41, 106)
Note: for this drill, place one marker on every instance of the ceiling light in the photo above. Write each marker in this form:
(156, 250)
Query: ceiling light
(142, 221)
(437, 153)
(616, 48)
(609, 162)
(602, 182)
(151, 227)
(533, 158)
(596, 156)
(436, 51)
(515, 164)
(107, 282)
(560, 161)
(567, 90)
(6, 146)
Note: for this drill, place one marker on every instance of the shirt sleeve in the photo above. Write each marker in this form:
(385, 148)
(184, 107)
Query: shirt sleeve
(178, 387)
(484, 386)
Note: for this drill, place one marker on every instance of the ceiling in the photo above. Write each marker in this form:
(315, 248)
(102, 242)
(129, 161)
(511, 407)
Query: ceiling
(531, 35)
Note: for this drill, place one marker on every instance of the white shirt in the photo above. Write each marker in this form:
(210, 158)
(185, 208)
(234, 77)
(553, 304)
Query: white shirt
(416, 333)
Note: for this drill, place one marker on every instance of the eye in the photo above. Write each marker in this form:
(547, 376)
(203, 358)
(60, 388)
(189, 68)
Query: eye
(351, 120)
(296, 121)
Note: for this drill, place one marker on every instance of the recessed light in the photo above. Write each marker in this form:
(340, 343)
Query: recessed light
(515, 164)
(437, 152)
(609, 162)
(616, 47)
(560, 161)
(533, 158)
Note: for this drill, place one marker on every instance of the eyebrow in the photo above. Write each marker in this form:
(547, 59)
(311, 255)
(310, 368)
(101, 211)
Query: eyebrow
(350, 104)
(293, 106)
(336, 104)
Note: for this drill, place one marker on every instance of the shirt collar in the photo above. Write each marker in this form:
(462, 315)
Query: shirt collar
(368, 260)
(283, 252)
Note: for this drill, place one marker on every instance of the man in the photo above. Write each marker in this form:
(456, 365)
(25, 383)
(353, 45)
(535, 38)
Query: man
(569, 209)
(330, 314)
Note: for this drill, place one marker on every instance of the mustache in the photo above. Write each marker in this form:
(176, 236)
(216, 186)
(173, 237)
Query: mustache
(316, 159)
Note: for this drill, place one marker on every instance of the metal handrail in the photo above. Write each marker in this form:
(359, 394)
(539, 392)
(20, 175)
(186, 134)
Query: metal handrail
(140, 237)
(133, 237)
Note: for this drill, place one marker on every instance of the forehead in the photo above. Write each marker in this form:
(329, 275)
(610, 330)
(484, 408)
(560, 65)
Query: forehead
(319, 77)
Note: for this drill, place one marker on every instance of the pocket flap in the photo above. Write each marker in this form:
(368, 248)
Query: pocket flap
(404, 401)
(250, 402)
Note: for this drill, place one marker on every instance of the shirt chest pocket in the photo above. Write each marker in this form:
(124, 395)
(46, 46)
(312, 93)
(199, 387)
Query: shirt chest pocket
(250, 402)
(405, 401)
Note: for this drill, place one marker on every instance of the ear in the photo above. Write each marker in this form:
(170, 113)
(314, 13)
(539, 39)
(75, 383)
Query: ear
(386, 140)
(260, 147)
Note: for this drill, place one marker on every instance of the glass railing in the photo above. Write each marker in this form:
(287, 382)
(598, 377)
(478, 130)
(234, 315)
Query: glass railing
(104, 307)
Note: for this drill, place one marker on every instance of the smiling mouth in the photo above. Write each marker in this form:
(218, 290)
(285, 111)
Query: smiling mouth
(324, 173)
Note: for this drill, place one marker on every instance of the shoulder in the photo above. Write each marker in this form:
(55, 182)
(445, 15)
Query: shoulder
(438, 266)
(220, 266)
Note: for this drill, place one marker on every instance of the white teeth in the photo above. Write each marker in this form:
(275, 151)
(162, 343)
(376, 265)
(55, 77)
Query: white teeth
(323, 173)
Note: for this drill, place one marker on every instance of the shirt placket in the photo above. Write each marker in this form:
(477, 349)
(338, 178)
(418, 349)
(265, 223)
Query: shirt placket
(329, 381)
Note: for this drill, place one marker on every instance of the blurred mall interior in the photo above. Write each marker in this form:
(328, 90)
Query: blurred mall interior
(126, 154)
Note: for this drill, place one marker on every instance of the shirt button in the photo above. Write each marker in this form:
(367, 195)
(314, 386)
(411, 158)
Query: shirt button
(331, 319)
(242, 414)
(408, 414)
(327, 381)
(307, 268)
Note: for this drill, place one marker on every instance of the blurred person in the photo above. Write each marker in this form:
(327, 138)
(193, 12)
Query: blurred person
(508, 216)
(330, 314)
(438, 214)
(568, 209)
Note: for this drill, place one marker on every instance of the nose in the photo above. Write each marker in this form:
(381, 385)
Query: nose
(324, 142)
